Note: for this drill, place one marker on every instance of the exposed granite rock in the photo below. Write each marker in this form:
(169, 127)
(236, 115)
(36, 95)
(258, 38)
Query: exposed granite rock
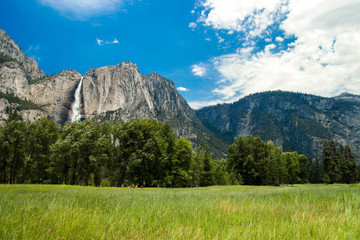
(31, 115)
(116, 87)
(4, 104)
(11, 49)
(55, 94)
(27, 115)
(121, 92)
(13, 79)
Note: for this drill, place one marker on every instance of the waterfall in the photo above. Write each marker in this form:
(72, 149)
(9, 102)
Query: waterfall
(75, 109)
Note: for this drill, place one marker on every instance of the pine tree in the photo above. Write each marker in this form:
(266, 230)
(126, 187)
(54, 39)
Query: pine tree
(335, 166)
(207, 178)
(349, 169)
(331, 162)
(316, 171)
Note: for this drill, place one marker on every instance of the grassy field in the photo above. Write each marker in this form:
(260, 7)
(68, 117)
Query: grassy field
(234, 212)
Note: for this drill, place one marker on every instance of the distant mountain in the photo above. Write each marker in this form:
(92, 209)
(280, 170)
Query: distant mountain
(295, 121)
(118, 92)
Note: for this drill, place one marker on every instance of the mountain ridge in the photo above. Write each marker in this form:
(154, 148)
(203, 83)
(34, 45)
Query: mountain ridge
(294, 121)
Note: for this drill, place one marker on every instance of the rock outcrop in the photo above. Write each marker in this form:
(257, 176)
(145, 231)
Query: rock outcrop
(9, 48)
(13, 79)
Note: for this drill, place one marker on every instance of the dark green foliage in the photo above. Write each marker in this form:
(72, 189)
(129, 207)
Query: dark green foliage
(261, 163)
(305, 168)
(349, 169)
(36, 80)
(316, 171)
(40, 136)
(207, 176)
(4, 58)
(292, 166)
(144, 152)
(339, 164)
(13, 151)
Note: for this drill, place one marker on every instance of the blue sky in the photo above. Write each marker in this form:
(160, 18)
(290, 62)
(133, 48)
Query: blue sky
(214, 50)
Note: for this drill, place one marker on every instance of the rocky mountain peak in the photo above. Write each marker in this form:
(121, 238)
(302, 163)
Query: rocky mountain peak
(345, 96)
(10, 48)
(127, 65)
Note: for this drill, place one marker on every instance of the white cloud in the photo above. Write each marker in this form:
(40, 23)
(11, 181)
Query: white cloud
(201, 104)
(269, 47)
(102, 42)
(279, 39)
(323, 60)
(198, 70)
(192, 25)
(99, 41)
(251, 17)
(220, 39)
(182, 89)
(83, 9)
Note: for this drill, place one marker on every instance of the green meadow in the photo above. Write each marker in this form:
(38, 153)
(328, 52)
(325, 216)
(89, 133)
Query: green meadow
(217, 212)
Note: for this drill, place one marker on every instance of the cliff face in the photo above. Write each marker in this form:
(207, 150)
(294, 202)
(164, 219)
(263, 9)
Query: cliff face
(13, 79)
(297, 122)
(116, 88)
(121, 92)
(20, 77)
(9, 48)
(55, 94)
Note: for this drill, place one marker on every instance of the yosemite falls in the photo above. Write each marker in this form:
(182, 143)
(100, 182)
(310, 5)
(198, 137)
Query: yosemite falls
(75, 109)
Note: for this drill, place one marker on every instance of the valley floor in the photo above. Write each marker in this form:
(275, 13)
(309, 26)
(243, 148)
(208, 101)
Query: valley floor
(217, 212)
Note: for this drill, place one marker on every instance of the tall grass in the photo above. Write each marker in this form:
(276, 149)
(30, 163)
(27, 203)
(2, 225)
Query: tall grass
(236, 212)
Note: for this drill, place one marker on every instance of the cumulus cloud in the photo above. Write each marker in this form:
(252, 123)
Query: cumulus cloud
(198, 70)
(279, 39)
(83, 9)
(252, 17)
(323, 58)
(182, 89)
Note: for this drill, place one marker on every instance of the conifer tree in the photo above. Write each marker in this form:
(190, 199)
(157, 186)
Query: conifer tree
(349, 169)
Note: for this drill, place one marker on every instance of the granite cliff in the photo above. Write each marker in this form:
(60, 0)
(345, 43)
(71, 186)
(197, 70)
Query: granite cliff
(9, 48)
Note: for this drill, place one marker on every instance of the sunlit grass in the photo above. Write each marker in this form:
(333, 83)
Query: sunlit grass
(235, 212)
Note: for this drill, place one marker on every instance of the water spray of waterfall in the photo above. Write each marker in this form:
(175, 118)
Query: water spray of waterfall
(75, 109)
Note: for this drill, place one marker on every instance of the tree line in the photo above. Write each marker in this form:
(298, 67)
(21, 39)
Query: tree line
(261, 163)
(146, 153)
